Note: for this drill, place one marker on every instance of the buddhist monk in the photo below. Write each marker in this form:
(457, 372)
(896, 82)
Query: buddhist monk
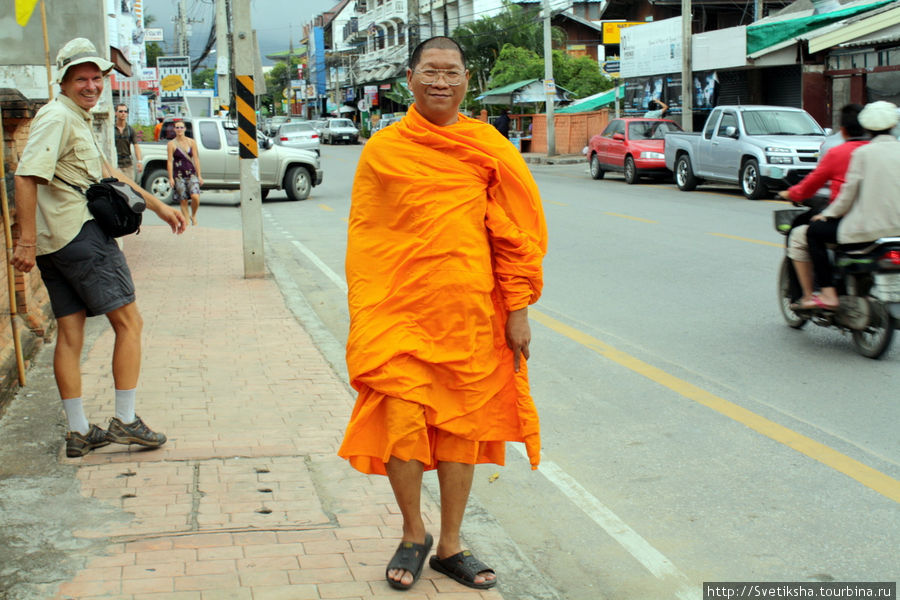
(445, 245)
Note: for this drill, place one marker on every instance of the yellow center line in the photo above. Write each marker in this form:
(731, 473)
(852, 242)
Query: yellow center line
(612, 214)
(557, 203)
(345, 219)
(325, 207)
(864, 474)
(743, 239)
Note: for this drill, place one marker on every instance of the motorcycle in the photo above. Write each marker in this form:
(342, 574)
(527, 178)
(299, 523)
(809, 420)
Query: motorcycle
(868, 284)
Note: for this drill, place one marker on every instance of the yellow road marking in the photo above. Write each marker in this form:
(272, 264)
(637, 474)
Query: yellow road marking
(743, 239)
(612, 214)
(345, 219)
(557, 203)
(864, 474)
(325, 207)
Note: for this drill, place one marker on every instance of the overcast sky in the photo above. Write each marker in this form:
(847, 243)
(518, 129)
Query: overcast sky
(276, 21)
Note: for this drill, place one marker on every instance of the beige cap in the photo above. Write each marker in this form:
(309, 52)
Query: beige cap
(879, 116)
(76, 52)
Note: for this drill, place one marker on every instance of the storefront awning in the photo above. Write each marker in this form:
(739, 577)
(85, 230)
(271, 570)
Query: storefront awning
(595, 102)
(767, 37)
(863, 26)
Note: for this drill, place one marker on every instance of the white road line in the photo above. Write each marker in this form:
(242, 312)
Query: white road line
(651, 558)
(338, 281)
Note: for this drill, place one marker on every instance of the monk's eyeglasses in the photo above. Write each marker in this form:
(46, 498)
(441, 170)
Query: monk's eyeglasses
(451, 76)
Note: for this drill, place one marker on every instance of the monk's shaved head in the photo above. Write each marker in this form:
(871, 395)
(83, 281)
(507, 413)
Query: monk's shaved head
(439, 43)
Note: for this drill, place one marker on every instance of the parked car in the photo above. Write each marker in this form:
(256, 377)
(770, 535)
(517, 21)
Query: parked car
(295, 171)
(339, 130)
(273, 123)
(757, 147)
(632, 146)
(298, 134)
(384, 122)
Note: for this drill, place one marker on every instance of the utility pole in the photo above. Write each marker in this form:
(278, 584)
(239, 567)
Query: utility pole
(549, 83)
(223, 52)
(687, 77)
(248, 149)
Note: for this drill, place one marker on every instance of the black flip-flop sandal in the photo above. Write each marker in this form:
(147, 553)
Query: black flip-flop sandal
(409, 557)
(463, 567)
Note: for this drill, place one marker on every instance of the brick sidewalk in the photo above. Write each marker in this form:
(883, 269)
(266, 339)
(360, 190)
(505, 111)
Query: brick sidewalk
(247, 500)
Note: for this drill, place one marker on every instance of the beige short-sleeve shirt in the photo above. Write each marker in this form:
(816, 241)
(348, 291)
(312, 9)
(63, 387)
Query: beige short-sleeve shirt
(61, 145)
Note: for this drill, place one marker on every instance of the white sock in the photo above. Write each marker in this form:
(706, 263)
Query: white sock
(75, 415)
(125, 405)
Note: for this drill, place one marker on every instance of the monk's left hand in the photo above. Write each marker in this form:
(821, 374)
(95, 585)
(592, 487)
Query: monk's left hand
(518, 335)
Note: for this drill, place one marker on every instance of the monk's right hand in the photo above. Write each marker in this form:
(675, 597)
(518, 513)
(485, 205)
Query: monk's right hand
(23, 258)
(518, 335)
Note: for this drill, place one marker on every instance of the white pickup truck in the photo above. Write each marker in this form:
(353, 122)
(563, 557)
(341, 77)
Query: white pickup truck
(293, 170)
(757, 147)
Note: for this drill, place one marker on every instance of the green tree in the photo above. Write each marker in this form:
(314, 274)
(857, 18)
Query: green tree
(515, 64)
(482, 40)
(154, 50)
(580, 75)
(204, 78)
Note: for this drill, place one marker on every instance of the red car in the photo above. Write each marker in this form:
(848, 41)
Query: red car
(633, 146)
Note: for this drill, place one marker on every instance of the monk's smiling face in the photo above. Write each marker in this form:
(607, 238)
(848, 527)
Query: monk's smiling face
(438, 102)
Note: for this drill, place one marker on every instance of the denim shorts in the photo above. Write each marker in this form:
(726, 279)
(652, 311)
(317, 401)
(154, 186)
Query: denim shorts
(89, 273)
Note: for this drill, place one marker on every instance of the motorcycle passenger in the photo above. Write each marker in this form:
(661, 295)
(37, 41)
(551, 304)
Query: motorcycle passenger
(832, 168)
(868, 206)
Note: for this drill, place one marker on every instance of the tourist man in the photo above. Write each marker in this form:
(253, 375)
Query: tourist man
(83, 268)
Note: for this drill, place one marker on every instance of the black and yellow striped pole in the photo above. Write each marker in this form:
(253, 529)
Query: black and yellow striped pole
(248, 148)
(246, 112)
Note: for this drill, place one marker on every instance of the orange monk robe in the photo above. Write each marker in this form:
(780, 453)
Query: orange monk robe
(446, 236)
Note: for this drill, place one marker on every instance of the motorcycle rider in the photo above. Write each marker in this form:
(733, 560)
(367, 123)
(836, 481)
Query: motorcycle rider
(868, 206)
(832, 168)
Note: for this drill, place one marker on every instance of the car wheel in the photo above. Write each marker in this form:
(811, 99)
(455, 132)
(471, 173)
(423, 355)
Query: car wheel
(751, 182)
(597, 171)
(157, 183)
(631, 175)
(684, 174)
(297, 183)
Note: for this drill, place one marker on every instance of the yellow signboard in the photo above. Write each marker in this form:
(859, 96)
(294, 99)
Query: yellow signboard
(170, 83)
(612, 30)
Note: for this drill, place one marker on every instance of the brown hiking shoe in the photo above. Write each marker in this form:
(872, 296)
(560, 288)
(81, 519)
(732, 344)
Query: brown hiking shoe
(78, 444)
(134, 433)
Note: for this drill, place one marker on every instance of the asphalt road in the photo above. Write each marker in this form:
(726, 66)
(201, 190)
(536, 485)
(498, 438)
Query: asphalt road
(689, 435)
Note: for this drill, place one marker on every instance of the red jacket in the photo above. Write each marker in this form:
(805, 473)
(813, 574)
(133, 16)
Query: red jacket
(832, 167)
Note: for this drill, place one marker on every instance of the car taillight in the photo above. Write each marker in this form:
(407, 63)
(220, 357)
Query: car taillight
(284, 138)
(315, 137)
(890, 260)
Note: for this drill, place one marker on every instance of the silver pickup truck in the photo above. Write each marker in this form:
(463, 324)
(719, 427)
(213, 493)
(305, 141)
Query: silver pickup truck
(760, 148)
(293, 170)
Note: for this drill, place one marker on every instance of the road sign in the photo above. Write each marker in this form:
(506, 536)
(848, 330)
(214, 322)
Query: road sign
(611, 68)
(363, 105)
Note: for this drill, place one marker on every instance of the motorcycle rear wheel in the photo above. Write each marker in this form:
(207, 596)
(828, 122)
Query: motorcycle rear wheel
(875, 339)
(787, 296)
